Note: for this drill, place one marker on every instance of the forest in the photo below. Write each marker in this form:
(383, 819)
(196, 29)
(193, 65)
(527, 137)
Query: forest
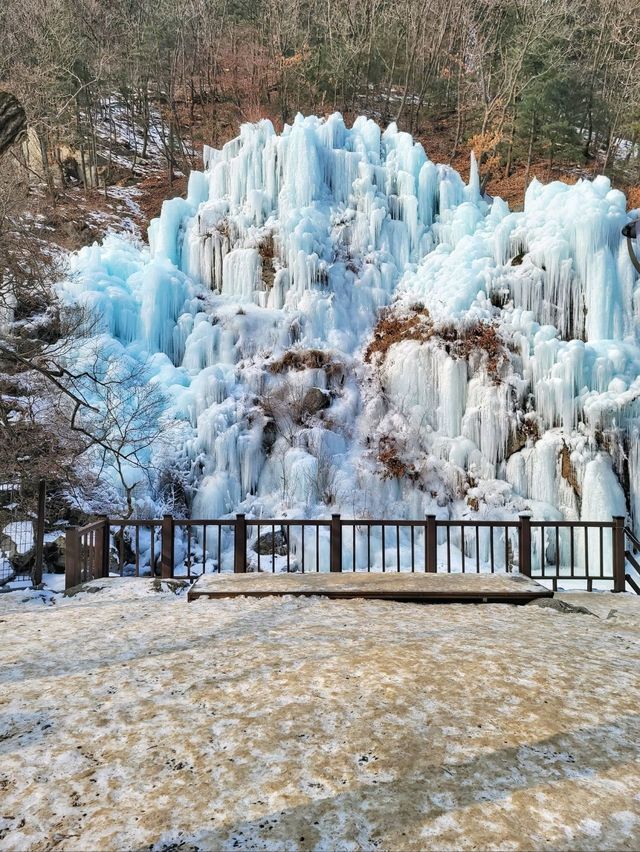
(544, 84)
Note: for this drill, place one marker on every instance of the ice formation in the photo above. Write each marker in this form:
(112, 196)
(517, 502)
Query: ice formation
(506, 370)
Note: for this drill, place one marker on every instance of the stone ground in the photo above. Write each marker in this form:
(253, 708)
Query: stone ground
(130, 719)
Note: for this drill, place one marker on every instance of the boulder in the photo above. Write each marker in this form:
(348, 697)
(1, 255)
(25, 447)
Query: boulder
(7, 546)
(315, 400)
(54, 555)
(269, 436)
(22, 563)
(275, 542)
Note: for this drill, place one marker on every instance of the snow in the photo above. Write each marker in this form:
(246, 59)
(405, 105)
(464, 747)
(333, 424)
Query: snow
(131, 719)
(294, 242)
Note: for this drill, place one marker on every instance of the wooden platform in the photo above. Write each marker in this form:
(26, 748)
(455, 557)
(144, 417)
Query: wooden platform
(423, 588)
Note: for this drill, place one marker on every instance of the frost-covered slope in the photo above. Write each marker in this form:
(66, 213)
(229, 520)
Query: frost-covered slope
(340, 323)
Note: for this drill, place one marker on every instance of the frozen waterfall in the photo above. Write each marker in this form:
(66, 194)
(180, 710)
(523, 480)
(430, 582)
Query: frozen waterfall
(339, 323)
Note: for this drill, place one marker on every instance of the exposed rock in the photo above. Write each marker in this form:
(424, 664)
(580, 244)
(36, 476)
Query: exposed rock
(7, 546)
(567, 469)
(54, 554)
(22, 563)
(13, 121)
(269, 543)
(81, 588)
(561, 606)
(175, 586)
(269, 436)
(315, 400)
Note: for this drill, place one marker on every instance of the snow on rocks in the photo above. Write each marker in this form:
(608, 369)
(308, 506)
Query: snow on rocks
(131, 719)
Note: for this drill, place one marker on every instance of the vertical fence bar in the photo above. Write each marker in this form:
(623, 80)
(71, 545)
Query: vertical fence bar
(432, 545)
(335, 544)
(152, 558)
(491, 550)
(101, 555)
(524, 545)
(413, 550)
(258, 548)
(240, 545)
(36, 574)
(72, 558)
(477, 550)
(617, 553)
(353, 544)
(273, 549)
(167, 557)
(137, 538)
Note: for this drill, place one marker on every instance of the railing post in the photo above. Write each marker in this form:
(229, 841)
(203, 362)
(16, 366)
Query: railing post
(72, 558)
(167, 546)
(36, 574)
(431, 545)
(617, 553)
(335, 544)
(524, 545)
(101, 559)
(240, 545)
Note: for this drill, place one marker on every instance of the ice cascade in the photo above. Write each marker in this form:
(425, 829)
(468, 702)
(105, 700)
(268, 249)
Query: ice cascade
(339, 323)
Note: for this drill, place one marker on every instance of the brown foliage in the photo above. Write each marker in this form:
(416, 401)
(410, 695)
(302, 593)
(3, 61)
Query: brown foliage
(567, 470)
(479, 337)
(393, 464)
(393, 329)
(307, 359)
(267, 252)
(458, 341)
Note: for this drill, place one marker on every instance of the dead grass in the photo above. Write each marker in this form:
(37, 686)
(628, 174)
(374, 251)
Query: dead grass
(307, 359)
(267, 252)
(458, 341)
(567, 469)
(155, 189)
(394, 467)
(392, 329)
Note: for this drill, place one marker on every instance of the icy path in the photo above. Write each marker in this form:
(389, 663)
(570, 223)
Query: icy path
(129, 719)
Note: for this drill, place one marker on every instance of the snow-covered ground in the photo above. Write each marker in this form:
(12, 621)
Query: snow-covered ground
(130, 719)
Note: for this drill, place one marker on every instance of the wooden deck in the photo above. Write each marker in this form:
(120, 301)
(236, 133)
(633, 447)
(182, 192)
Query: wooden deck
(419, 588)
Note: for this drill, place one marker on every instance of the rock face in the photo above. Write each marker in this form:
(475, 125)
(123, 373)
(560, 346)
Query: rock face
(315, 400)
(53, 553)
(13, 121)
(269, 543)
(269, 436)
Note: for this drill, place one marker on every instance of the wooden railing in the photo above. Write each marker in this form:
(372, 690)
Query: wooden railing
(581, 552)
